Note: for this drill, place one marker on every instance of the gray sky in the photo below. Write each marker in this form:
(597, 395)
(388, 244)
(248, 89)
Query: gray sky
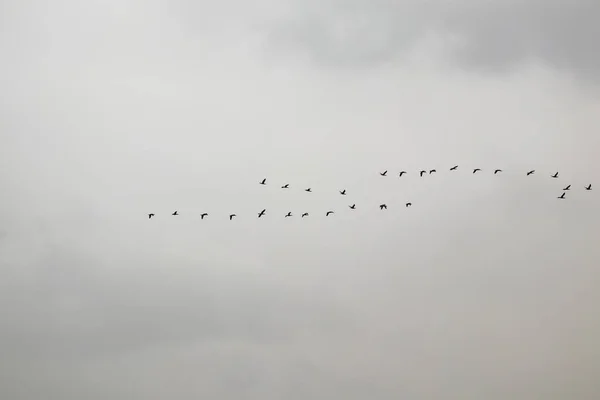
(486, 288)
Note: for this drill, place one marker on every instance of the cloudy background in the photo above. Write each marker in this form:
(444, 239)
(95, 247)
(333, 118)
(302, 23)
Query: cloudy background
(488, 287)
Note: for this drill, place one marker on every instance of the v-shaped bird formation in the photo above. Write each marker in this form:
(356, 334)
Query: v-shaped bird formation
(384, 206)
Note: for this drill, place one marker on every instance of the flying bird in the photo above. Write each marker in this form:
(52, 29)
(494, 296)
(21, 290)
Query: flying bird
(454, 168)
(408, 204)
(531, 172)
(304, 215)
(308, 190)
(150, 215)
(231, 216)
(384, 173)
(496, 171)
(328, 212)
(562, 196)
(567, 188)
(289, 214)
(476, 169)
(263, 182)
(422, 172)
(287, 185)
(175, 213)
(588, 187)
(382, 206)
(343, 192)
(431, 171)
(260, 214)
(353, 206)
(402, 173)
(555, 175)
(203, 215)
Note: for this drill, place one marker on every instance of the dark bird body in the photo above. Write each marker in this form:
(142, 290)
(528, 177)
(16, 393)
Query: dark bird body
(382, 206)
(562, 196)
(287, 185)
(231, 216)
(476, 169)
(421, 173)
(402, 173)
(531, 172)
(150, 216)
(175, 213)
(554, 176)
(260, 214)
(289, 214)
(353, 206)
(263, 182)
(328, 213)
(343, 192)
(408, 204)
(496, 171)
(588, 187)
(567, 188)
(454, 168)
(432, 171)
(203, 215)
(384, 173)
(308, 190)
(304, 215)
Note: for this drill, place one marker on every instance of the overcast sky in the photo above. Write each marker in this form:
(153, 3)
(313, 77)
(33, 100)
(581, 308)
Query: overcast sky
(486, 288)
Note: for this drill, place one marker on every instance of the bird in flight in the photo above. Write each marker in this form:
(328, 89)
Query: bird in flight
(343, 192)
(308, 190)
(287, 185)
(263, 182)
(531, 172)
(353, 206)
(431, 171)
(476, 169)
(260, 214)
(150, 215)
(555, 175)
(408, 204)
(382, 206)
(567, 188)
(203, 215)
(402, 173)
(496, 171)
(422, 172)
(304, 215)
(328, 212)
(588, 187)
(289, 214)
(231, 216)
(454, 168)
(562, 196)
(175, 213)
(384, 173)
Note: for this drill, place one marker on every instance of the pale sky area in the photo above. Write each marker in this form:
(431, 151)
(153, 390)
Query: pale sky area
(488, 287)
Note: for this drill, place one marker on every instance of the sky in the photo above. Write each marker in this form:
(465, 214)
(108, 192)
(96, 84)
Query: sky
(487, 287)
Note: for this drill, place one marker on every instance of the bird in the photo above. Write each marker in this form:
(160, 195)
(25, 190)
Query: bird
(150, 215)
(382, 206)
(203, 215)
(496, 171)
(289, 214)
(308, 190)
(328, 212)
(304, 215)
(287, 185)
(384, 173)
(422, 172)
(260, 214)
(175, 213)
(408, 204)
(343, 192)
(231, 216)
(263, 182)
(562, 196)
(530, 172)
(588, 187)
(353, 206)
(476, 169)
(454, 168)
(555, 175)
(567, 188)
(431, 171)
(402, 173)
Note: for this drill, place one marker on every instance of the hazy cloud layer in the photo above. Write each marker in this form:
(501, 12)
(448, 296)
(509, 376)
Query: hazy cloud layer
(486, 288)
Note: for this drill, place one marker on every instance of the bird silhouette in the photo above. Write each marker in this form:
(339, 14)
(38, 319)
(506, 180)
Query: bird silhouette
(454, 168)
(476, 169)
(422, 172)
(287, 185)
(231, 216)
(496, 171)
(263, 182)
(384, 173)
(567, 188)
(588, 187)
(353, 206)
(150, 215)
(203, 215)
(402, 173)
(289, 214)
(343, 192)
(554, 176)
(308, 190)
(408, 204)
(431, 171)
(260, 214)
(382, 206)
(562, 196)
(531, 172)
(328, 212)
(304, 215)
(175, 213)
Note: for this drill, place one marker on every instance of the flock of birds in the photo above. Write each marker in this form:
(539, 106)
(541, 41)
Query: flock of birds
(382, 206)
